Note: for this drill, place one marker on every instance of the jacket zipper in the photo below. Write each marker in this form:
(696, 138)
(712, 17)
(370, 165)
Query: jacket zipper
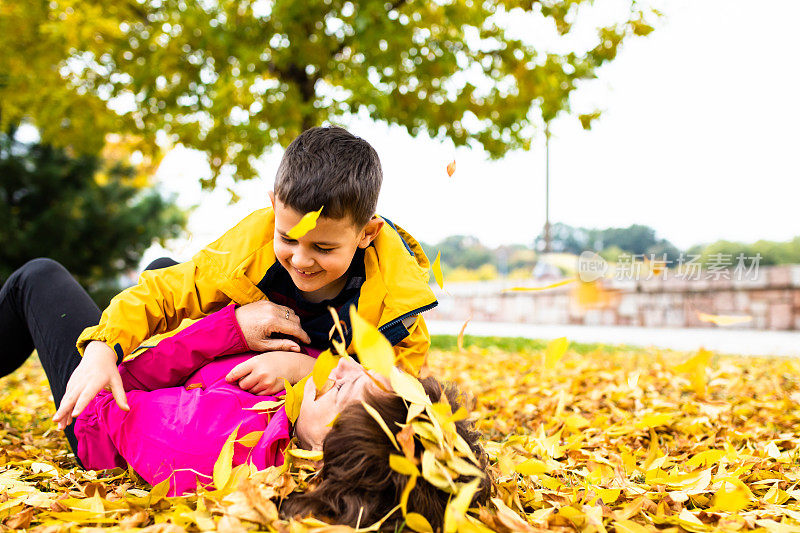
(399, 319)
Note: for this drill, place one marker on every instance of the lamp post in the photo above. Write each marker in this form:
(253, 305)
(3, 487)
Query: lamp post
(547, 188)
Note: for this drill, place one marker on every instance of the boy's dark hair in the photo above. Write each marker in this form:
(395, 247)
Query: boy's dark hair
(357, 485)
(331, 167)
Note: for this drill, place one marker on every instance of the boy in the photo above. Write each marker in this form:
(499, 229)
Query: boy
(284, 286)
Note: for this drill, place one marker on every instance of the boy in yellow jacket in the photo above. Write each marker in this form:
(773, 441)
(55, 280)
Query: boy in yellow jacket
(284, 286)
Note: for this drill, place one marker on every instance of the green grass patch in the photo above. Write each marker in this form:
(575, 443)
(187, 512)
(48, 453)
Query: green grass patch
(522, 344)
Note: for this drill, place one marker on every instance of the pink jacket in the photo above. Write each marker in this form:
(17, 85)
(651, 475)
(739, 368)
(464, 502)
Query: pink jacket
(182, 410)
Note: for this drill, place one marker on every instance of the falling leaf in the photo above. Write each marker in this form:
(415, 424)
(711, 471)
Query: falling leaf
(306, 224)
(724, 320)
(555, 351)
(460, 338)
(374, 350)
(546, 287)
(451, 168)
(437, 270)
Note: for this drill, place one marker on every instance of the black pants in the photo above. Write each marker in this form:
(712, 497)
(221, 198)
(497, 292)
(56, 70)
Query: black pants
(43, 307)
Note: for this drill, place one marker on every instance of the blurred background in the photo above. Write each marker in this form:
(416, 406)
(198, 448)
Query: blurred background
(658, 139)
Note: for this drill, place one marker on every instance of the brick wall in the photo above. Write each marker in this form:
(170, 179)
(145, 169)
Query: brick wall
(771, 298)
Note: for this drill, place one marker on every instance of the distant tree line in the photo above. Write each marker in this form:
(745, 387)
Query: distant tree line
(462, 253)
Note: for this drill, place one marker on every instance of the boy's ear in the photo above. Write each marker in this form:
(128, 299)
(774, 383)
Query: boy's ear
(272, 198)
(371, 231)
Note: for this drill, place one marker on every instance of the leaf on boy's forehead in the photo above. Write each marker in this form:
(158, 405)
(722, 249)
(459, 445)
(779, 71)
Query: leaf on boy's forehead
(377, 416)
(451, 168)
(374, 350)
(555, 351)
(325, 363)
(306, 224)
(437, 270)
(224, 464)
(408, 387)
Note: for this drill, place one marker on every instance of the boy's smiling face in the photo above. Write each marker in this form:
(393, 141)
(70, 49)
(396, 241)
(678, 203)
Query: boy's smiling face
(318, 261)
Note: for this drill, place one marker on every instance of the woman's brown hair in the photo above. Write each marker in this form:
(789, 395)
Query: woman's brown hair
(357, 485)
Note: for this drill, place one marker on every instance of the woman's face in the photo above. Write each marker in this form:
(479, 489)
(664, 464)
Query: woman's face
(346, 384)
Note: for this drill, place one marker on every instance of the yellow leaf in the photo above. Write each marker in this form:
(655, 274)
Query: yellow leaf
(408, 387)
(294, 397)
(629, 526)
(311, 455)
(251, 439)
(224, 463)
(654, 420)
(608, 496)
(418, 523)
(731, 501)
(306, 224)
(325, 363)
(460, 339)
(546, 287)
(532, 467)
(724, 320)
(410, 484)
(437, 270)
(400, 464)
(456, 510)
(268, 405)
(555, 351)
(374, 350)
(697, 362)
(377, 416)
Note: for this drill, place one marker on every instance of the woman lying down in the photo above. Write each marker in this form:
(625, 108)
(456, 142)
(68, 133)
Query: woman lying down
(182, 410)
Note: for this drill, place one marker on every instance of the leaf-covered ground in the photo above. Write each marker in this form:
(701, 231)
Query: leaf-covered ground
(601, 439)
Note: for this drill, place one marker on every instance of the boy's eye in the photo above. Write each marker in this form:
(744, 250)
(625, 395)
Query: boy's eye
(287, 239)
(324, 250)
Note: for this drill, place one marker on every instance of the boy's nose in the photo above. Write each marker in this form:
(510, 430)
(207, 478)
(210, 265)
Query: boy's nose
(301, 261)
(344, 367)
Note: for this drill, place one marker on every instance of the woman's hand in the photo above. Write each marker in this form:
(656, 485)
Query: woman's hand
(259, 320)
(97, 370)
(263, 374)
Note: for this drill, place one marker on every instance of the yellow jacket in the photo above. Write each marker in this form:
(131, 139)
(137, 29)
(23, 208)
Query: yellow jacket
(228, 270)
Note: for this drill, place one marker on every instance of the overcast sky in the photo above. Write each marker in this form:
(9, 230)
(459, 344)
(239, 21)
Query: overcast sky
(699, 139)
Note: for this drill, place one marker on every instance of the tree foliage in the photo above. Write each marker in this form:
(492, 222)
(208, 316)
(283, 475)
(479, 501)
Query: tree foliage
(89, 215)
(233, 78)
(636, 239)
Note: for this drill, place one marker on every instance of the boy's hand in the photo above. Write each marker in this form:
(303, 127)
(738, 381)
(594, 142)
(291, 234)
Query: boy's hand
(263, 374)
(97, 370)
(259, 320)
